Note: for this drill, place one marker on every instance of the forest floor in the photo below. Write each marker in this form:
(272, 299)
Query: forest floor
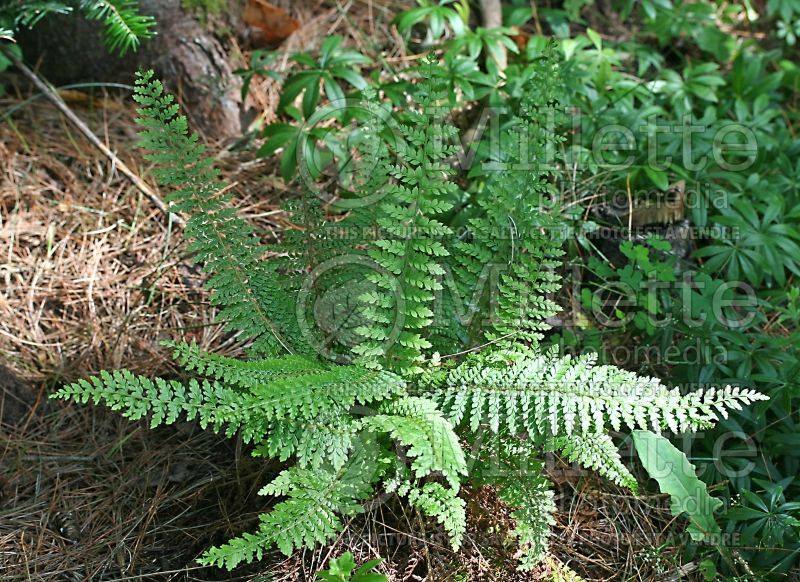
(93, 276)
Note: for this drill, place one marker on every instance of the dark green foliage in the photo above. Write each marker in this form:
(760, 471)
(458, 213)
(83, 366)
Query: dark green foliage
(246, 287)
(125, 26)
(409, 259)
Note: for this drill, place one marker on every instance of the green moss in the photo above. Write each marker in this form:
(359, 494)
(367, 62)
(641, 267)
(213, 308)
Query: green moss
(207, 6)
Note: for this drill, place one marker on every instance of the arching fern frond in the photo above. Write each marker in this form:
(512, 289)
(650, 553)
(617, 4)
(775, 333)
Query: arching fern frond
(548, 395)
(316, 498)
(299, 398)
(512, 466)
(419, 425)
(515, 235)
(245, 374)
(252, 299)
(135, 397)
(436, 501)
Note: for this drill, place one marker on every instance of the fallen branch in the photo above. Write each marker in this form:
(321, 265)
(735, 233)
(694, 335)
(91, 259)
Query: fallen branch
(56, 100)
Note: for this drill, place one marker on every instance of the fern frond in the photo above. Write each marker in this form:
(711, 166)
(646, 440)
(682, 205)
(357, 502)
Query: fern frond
(125, 25)
(598, 452)
(512, 467)
(549, 395)
(252, 299)
(408, 258)
(533, 516)
(315, 443)
(137, 396)
(245, 374)
(439, 502)
(303, 398)
(431, 442)
(516, 235)
(310, 514)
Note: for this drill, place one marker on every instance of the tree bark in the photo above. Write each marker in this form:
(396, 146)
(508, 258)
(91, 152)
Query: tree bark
(188, 56)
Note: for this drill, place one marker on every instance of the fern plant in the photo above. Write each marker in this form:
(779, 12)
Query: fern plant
(337, 415)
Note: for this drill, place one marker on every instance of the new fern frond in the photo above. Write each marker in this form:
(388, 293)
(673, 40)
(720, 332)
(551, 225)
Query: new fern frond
(511, 465)
(439, 502)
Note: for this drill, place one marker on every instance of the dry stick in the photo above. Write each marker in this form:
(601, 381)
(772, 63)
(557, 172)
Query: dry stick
(56, 100)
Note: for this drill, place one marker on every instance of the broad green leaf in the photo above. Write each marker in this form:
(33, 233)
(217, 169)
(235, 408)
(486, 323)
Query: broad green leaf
(676, 477)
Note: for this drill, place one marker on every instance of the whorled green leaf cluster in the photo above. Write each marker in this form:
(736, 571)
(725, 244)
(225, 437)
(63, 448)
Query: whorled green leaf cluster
(384, 410)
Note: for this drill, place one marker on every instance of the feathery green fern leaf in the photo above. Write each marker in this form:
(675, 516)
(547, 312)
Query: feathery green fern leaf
(432, 444)
(597, 452)
(125, 25)
(439, 502)
(399, 310)
(511, 465)
(552, 396)
(137, 396)
(310, 514)
(252, 299)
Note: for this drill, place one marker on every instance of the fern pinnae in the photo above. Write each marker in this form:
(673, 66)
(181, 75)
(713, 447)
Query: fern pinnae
(252, 299)
(597, 452)
(316, 498)
(409, 258)
(245, 374)
(567, 396)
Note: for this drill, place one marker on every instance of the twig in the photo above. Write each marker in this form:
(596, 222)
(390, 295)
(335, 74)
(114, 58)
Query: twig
(630, 206)
(56, 100)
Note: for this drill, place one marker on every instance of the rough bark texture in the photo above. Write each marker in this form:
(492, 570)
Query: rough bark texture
(186, 54)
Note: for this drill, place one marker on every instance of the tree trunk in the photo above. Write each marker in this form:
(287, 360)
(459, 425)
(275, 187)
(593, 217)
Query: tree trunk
(188, 56)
